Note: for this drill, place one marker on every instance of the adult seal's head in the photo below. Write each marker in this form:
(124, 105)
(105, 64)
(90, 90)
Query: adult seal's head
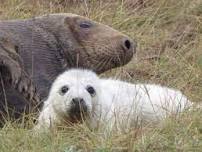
(86, 43)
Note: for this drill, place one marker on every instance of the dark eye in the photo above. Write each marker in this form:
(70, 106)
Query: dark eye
(91, 90)
(85, 25)
(64, 90)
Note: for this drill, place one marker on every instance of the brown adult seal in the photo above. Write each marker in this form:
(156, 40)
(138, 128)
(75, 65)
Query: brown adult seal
(34, 51)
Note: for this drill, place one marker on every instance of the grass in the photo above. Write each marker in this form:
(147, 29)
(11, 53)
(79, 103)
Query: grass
(169, 37)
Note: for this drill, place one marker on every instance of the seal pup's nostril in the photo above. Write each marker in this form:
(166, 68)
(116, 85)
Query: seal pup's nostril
(78, 104)
(77, 101)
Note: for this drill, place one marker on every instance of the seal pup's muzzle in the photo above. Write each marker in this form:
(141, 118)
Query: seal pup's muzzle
(78, 110)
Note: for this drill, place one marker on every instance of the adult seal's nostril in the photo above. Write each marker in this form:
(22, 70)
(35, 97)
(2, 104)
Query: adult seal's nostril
(125, 51)
(128, 45)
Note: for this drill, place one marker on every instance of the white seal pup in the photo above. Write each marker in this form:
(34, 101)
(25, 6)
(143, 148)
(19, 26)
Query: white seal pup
(78, 95)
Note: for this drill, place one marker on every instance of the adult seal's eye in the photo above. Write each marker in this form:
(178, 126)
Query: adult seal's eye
(90, 90)
(85, 25)
(64, 90)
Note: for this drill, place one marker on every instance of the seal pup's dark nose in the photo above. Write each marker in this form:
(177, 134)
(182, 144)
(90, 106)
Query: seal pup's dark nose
(78, 105)
(78, 110)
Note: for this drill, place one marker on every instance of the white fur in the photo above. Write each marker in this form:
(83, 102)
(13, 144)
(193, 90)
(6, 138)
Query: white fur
(115, 103)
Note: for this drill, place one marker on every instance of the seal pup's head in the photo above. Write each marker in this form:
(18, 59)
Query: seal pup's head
(74, 94)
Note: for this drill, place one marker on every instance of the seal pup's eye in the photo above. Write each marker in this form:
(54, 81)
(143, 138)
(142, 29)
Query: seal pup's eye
(90, 90)
(64, 90)
(85, 24)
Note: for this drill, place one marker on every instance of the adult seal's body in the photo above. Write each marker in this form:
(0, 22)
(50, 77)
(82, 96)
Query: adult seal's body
(34, 51)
